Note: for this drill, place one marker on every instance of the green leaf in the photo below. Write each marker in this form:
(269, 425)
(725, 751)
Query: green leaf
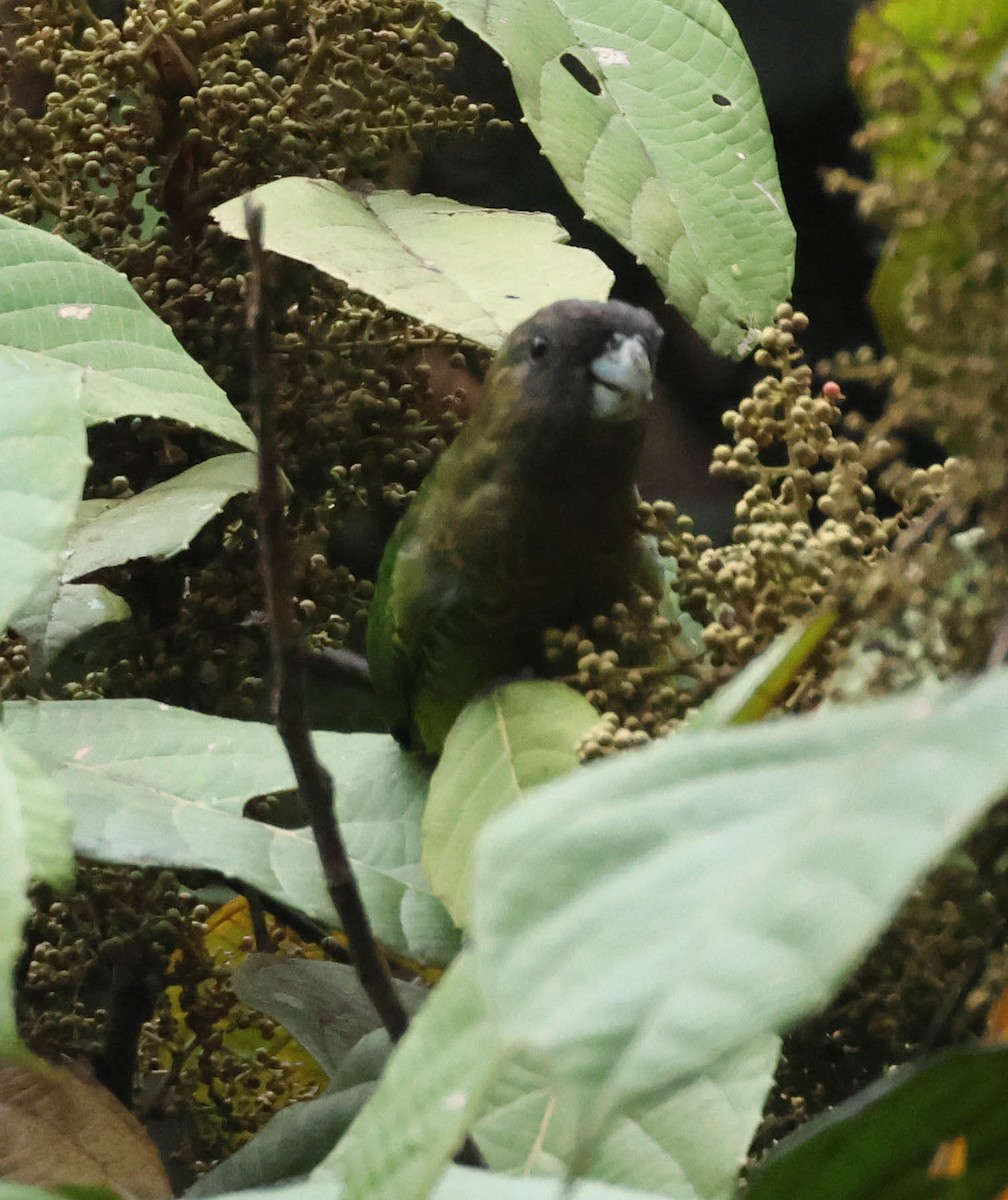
(880, 1144)
(651, 113)
(67, 308)
(35, 845)
(465, 1183)
(728, 880)
(501, 746)
(457, 1183)
(43, 460)
(321, 1004)
(686, 1144)
(155, 785)
(162, 520)
(425, 1101)
(57, 614)
(477, 272)
(753, 691)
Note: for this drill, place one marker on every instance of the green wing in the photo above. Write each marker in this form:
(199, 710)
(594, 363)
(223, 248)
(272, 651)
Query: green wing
(435, 633)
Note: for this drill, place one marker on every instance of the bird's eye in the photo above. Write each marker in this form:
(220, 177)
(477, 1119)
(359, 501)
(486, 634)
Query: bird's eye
(539, 348)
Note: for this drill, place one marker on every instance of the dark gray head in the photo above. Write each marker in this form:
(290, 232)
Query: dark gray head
(581, 361)
(568, 392)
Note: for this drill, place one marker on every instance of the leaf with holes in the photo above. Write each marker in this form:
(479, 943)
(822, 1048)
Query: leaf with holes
(651, 113)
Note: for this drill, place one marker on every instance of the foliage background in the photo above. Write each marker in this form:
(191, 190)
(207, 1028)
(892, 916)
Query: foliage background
(108, 126)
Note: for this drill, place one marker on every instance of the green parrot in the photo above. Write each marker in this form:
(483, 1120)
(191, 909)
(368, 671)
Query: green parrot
(527, 521)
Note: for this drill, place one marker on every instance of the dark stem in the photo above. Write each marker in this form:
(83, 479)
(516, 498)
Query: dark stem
(288, 702)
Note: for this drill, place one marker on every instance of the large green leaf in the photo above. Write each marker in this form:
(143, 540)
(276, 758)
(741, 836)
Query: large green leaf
(160, 521)
(35, 844)
(504, 744)
(476, 272)
(464, 1183)
(686, 1144)
(457, 1183)
(881, 1143)
(151, 784)
(400, 1143)
(68, 308)
(43, 460)
(727, 880)
(651, 113)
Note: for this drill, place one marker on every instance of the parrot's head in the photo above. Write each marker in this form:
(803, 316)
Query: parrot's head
(577, 372)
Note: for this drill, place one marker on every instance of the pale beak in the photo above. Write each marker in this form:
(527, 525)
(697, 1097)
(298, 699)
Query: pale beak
(622, 375)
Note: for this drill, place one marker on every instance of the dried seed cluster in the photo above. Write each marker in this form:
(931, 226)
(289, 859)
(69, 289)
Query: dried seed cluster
(121, 923)
(806, 520)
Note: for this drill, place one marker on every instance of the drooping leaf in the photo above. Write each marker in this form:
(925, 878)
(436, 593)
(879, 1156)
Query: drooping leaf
(162, 520)
(43, 459)
(502, 746)
(61, 1130)
(651, 113)
(476, 272)
(403, 1138)
(151, 784)
(35, 844)
(58, 613)
(322, 1004)
(68, 309)
(727, 879)
(882, 1143)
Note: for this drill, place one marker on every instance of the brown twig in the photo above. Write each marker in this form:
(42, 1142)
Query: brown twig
(290, 714)
(289, 710)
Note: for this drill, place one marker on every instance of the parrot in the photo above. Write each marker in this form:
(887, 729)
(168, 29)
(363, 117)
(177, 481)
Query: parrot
(527, 520)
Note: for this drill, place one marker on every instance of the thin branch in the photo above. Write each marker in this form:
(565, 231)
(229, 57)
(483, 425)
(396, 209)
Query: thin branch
(289, 710)
(290, 713)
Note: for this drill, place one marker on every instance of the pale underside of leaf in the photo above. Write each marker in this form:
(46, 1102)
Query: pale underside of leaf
(160, 521)
(65, 307)
(476, 272)
(151, 784)
(728, 880)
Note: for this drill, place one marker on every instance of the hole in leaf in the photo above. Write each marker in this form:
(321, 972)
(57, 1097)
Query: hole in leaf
(574, 66)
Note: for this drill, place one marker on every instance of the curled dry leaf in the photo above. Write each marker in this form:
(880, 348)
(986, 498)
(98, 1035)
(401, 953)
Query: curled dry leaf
(57, 1129)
